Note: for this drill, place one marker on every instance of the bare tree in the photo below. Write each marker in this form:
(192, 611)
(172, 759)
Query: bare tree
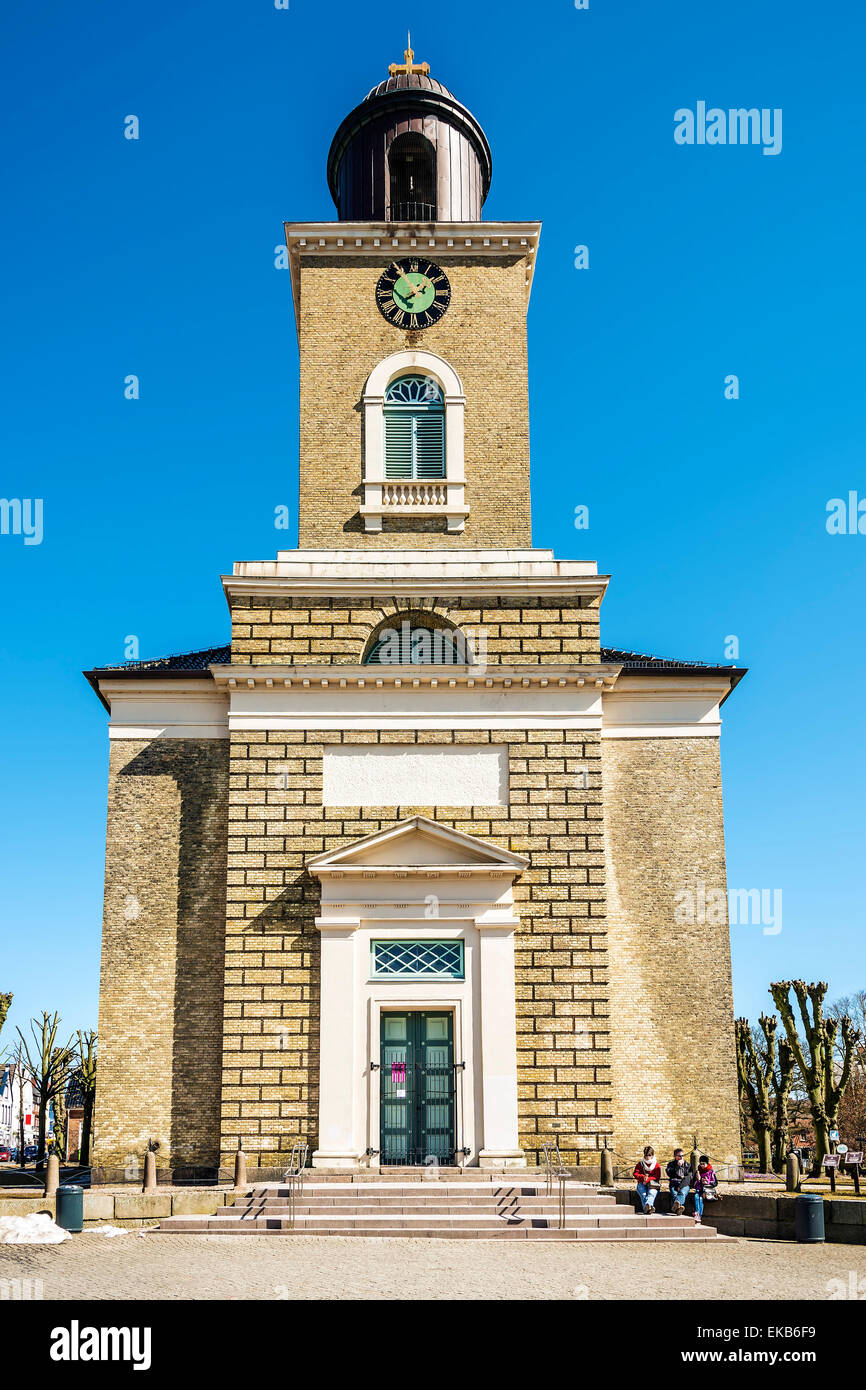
(87, 1077)
(852, 1109)
(754, 1073)
(61, 1119)
(49, 1064)
(815, 1053)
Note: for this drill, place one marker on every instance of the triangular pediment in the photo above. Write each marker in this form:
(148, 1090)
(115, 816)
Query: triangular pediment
(422, 844)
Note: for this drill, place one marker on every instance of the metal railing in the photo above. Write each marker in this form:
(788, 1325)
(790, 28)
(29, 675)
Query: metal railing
(70, 1175)
(413, 212)
(293, 1178)
(556, 1175)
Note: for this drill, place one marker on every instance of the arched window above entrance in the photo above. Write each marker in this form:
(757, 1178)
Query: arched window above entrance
(403, 642)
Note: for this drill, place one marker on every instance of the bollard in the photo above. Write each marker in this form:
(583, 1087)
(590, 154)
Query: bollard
(240, 1168)
(52, 1176)
(149, 1184)
(792, 1173)
(606, 1168)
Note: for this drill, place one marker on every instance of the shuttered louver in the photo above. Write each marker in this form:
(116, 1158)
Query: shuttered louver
(430, 446)
(398, 444)
(404, 644)
(414, 429)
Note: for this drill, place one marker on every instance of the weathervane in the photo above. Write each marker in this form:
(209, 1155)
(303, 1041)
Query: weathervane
(409, 66)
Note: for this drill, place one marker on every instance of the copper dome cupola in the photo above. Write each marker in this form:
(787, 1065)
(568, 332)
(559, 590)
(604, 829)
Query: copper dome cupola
(410, 152)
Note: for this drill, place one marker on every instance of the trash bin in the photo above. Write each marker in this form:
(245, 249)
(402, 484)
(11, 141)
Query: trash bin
(70, 1208)
(809, 1218)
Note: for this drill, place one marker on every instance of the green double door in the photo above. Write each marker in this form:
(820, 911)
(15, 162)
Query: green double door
(418, 1089)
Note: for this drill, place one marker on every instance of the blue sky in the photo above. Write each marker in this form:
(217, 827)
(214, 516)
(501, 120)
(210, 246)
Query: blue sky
(156, 257)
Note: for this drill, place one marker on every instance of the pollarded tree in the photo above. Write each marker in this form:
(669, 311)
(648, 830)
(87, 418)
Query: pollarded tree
(782, 1081)
(779, 1075)
(87, 1079)
(815, 1053)
(61, 1120)
(852, 1108)
(753, 1074)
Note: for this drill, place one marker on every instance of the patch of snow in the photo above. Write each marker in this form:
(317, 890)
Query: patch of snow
(37, 1228)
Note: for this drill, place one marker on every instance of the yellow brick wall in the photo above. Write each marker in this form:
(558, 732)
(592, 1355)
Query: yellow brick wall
(343, 336)
(160, 1003)
(674, 1074)
(277, 630)
(277, 822)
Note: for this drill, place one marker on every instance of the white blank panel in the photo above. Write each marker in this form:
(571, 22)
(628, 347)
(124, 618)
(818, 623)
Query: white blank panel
(431, 776)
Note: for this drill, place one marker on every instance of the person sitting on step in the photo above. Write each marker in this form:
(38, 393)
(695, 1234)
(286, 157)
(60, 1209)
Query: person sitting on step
(705, 1183)
(648, 1174)
(679, 1173)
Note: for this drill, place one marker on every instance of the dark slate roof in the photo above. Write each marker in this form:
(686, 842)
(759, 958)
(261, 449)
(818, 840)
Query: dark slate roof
(180, 664)
(180, 661)
(638, 661)
(407, 82)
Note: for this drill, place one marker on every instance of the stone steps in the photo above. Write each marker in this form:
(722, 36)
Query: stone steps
(441, 1231)
(340, 1210)
(481, 1209)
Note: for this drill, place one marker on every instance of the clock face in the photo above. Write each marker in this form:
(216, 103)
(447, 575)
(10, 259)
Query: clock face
(413, 293)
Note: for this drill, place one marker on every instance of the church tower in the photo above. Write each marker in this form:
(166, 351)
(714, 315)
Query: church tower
(411, 317)
(403, 873)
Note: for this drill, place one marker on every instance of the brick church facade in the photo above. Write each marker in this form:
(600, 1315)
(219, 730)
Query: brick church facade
(395, 873)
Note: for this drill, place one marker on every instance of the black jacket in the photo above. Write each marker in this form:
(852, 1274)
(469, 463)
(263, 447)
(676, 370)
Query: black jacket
(679, 1172)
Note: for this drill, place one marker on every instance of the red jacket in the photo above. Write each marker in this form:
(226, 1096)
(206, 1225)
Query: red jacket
(654, 1174)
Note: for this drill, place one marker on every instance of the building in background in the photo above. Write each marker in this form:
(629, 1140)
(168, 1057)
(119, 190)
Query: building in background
(17, 1094)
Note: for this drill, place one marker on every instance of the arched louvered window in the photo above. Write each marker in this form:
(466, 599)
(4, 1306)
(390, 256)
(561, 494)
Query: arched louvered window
(414, 428)
(412, 164)
(407, 644)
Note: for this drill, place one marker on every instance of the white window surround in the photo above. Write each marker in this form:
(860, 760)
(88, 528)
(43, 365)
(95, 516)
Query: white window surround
(409, 497)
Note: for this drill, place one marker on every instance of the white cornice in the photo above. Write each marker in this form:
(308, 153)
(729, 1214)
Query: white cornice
(171, 709)
(647, 706)
(409, 678)
(400, 587)
(444, 240)
(398, 574)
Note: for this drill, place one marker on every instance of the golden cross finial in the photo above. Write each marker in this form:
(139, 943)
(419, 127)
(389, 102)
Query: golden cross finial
(409, 65)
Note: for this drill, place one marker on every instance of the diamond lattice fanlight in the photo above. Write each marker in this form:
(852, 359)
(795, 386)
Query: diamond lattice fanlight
(419, 958)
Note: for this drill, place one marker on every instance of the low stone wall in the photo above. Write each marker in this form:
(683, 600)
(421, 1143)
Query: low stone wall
(127, 1209)
(772, 1217)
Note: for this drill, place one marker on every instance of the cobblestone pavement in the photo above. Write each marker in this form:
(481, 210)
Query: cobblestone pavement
(310, 1267)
